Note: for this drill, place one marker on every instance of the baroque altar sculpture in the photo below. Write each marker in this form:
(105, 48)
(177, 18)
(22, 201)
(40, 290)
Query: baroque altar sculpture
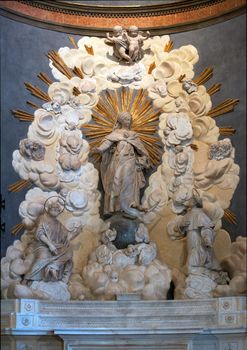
(126, 111)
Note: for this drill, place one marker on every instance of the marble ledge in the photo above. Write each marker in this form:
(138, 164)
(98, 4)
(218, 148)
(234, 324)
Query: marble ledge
(214, 316)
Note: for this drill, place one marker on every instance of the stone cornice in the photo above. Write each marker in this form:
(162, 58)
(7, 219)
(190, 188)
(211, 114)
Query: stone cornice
(218, 315)
(82, 19)
(73, 8)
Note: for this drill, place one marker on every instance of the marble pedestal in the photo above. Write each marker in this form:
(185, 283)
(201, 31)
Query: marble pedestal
(212, 324)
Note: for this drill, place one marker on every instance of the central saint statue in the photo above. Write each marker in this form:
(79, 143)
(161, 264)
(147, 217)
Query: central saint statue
(123, 159)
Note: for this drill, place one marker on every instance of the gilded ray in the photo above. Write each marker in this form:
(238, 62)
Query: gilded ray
(224, 107)
(230, 216)
(89, 49)
(151, 67)
(17, 228)
(227, 130)
(169, 46)
(33, 105)
(37, 92)
(73, 42)
(145, 119)
(59, 63)
(76, 91)
(19, 185)
(96, 134)
(135, 106)
(100, 120)
(213, 89)
(77, 71)
(100, 108)
(22, 115)
(111, 103)
(204, 76)
(130, 96)
(147, 130)
(43, 77)
(180, 79)
(96, 127)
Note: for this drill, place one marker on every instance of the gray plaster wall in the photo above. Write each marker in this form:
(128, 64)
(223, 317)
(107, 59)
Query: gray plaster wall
(23, 56)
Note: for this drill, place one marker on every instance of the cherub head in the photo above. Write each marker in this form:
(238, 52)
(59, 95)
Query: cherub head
(117, 31)
(74, 143)
(31, 149)
(103, 255)
(133, 31)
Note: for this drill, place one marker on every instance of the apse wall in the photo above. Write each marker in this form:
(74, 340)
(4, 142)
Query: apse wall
(23, 56)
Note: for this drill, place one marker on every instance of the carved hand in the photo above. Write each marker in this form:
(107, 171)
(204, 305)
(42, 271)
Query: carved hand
(53, 249)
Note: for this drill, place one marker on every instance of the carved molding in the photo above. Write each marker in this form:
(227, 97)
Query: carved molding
(95, 20)
(218, 315)
(73, 8)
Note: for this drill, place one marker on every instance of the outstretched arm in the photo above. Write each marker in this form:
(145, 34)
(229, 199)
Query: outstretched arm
(104, 146)
(110, 38)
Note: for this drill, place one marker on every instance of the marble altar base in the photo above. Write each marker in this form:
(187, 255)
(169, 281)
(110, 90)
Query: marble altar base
(212, 324)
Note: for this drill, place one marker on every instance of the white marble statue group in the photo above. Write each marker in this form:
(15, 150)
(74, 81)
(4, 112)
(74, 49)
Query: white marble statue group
(71, 251)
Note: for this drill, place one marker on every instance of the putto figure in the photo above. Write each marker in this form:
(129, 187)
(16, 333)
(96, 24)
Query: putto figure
(127, 45)
(135, 43)
(123, 159)
(120, 43)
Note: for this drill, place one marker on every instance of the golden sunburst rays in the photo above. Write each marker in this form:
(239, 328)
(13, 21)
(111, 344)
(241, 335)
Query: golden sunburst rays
(73, 42)
(78, 72)
(37, 92)
(224, 107)
(76, 91)
(33, 105)
(145, 119)
(169, 46)
(151, 67)
(182, 76)
(22, 116)
(230, 216)
(59, 63)
(19, 185)
(227, 130)
(213, 89)
(17, 228)
(204, 76)
(89, 50)
(43, 77)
